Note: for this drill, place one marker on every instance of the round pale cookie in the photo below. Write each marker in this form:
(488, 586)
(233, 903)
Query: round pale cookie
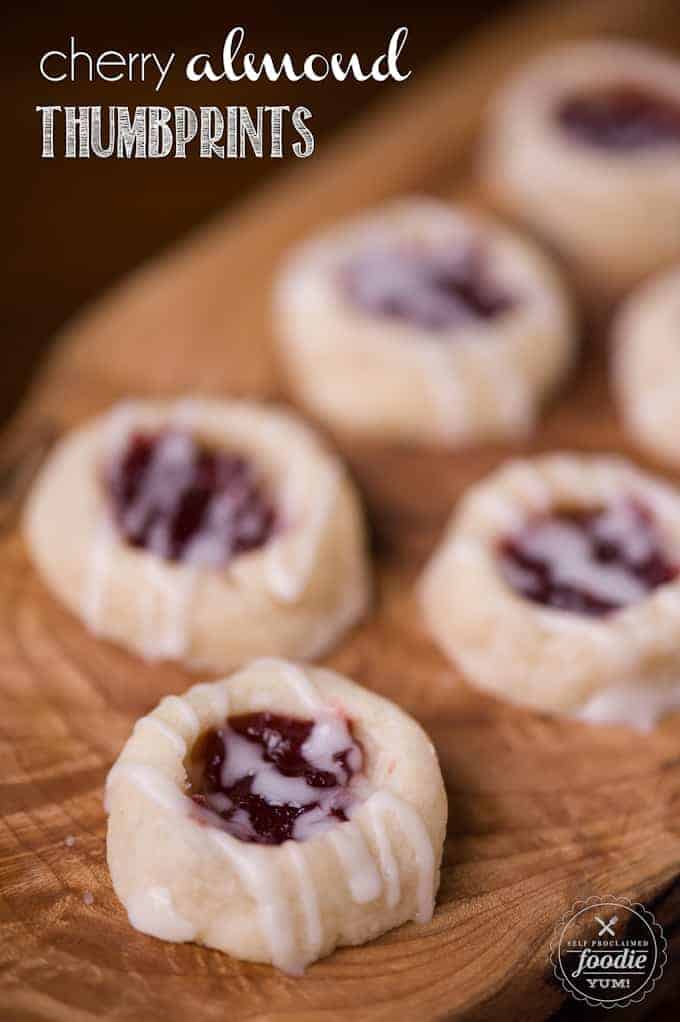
(646, 366)
(243, 858)
(423, 322)
(557, 586)
(584, 145)
(202, 530)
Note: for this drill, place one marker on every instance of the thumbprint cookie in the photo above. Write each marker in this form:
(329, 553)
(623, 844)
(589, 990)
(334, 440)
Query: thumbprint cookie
(557, 586)
(276, 815)
(201, 530)
(584, 145)
(647, 366)
(423, 322)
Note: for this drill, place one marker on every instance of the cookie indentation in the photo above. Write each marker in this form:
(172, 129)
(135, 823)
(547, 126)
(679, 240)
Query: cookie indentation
(625, 118)
(186, 502)
(589, 562)
(431, 289)
(268, 778)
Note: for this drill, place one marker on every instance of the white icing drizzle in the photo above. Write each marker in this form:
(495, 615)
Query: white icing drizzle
(328, 737)
(638, 706)
(173, 455)
(170, 587)
(315, 822)
(290, 560)
(167, 594)
(116, 430)
(247, 759)
(568, 551)
(416, 832)
(218, 697)
(618, 525)
(98, 571)
(151, 910)
(186, 711)
(265, 888)
(296, 678)
(308, 899)
(151, 781)
(168, 590)
(164, 729)
(363, 876)
(388, 864)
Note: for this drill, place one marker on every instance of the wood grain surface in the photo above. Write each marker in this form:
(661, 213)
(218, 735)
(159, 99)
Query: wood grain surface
(542, 812)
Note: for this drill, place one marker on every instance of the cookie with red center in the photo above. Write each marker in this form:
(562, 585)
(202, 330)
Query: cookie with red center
(456, 327)
(276, 815)
(590, 562)
(271, 778)
(430, 289)
(583, 144)
(183, 501)
(201, 530)
(621, 118)
(557, 586)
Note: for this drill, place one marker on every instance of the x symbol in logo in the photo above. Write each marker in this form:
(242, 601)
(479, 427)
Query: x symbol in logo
(607, 927)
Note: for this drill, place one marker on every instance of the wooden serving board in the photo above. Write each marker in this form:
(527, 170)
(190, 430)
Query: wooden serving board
(541, 811)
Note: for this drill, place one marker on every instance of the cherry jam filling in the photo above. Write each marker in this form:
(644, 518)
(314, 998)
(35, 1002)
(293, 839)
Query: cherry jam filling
(267, 778)
(184, 502)
(588, 562)
(434, 290)
(624, 118)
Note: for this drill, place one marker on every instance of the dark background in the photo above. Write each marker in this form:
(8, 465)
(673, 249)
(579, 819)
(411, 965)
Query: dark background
(73, 226)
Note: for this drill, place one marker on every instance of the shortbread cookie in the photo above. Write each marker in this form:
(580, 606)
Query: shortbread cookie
(558, 583)
(647, 366)
(202, 530)
(584, 144)
(423, 322)
(276, 815)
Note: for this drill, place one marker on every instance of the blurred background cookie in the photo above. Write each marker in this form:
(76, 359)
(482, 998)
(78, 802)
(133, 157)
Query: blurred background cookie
(557, 586)
(583, 144)
(200, 530)
(425, 323)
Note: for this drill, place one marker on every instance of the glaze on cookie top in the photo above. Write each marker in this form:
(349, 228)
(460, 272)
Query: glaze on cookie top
(185, 502)
(590, 562)
(558, 587)
(457, 327)
(624, 118)
(268, 778)
(583, 146)
(203, 530)
(435, 289)
(247, 815)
